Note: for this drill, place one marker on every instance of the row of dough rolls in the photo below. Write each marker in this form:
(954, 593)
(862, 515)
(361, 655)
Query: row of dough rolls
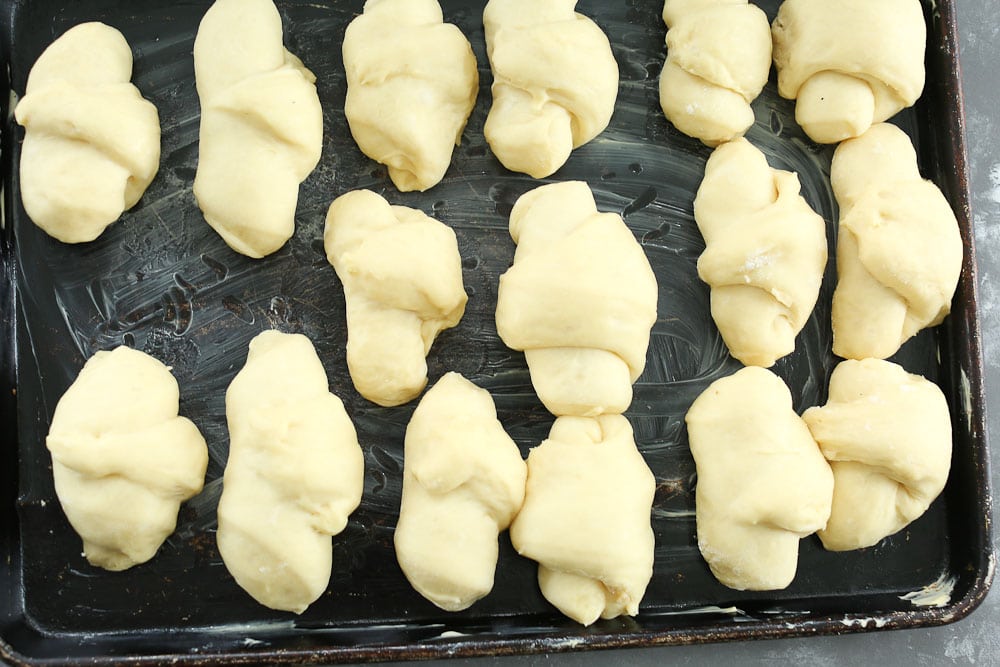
(580, 506)
(899, 250)
(848, 64)
(295, 473)
(92, 142)
(855, 470)
(580, 300)
(124, 461)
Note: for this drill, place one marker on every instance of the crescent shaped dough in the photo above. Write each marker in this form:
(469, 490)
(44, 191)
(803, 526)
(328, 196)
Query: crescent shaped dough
(555, 82)
(261, 126)
(402, 276)
(899, 250)
(295, 472)
(411, 85)
(762, 482)
(849, 63)
(92, 143)
(586, 518)
(580, 300)
(887, 435)
(718, 59)
(765, 252)
(463, 482)
(122, 459)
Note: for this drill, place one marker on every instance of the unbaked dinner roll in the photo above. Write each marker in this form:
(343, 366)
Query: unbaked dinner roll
(402, 277)
(463, 482)
(91, 143)
(580, 300)
(122, 459)
(849, 63)
(555, 82)
(295, 472)
(261, 126)
(762, 482)
(411, 85)
(887, 435)
(765, 252)
(899, 250)
(718, 59)
(586, 518)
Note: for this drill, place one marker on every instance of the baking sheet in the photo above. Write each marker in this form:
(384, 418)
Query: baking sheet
(160, 280)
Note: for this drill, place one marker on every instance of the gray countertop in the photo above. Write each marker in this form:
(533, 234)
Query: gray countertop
(976, 639)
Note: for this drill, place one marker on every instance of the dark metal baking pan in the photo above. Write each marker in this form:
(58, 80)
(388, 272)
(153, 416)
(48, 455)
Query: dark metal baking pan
(160, 280)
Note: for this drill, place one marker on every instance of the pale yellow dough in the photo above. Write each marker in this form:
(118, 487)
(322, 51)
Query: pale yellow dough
(555, 82)
(463, 482)
(411, 85)
(765, 252)
(762, 482)
(295, 473)
(718, 59)
(261, 126)
(122, 459)
(580, 300)
(899, 250)
(586, 518)
(848, 63)
(887, 435)
(91, 143)
(402, 276)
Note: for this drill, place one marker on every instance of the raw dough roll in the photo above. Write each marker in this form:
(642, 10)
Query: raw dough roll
(122, 459)
(402, 276)
(411, 85)
(295, 472)
(91, 143)
(849, 63)
(261, 126)
(899, 251)
(887, 435)
(586, 518)
(718, 59)
(463, 482)
(580, 300)
(765, 252)
(762, 482)
(555, 82)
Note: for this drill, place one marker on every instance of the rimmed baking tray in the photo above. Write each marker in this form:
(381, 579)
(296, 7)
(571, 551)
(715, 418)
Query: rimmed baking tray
(160, 280)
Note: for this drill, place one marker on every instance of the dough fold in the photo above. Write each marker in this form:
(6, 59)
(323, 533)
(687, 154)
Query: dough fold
(92, 143)
(295, 473)
(122, 458)
(402, 277)
(848, 63)
(765, 252)
(899, 250)
(411, 84)
(887, 435)
(261, 126)
(580, 300)
(463, 482)
(555, 82)
(586, 518)
(718, 59)
(762, 482)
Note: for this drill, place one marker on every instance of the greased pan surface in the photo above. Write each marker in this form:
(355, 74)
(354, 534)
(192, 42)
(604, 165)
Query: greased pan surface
(162, 281)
